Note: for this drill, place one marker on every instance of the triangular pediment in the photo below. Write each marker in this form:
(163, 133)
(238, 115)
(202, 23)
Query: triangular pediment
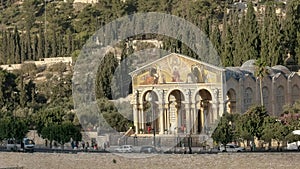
(176, 68)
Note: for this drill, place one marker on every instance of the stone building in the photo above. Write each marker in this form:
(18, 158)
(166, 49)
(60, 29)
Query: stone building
(177, 94)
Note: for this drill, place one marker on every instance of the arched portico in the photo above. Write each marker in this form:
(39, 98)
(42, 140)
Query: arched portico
(150, 112)
(203, 111)
(176, 113)
(186, 96)
(188, 109)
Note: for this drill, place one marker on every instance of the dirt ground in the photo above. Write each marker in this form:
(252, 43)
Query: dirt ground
(163, 161)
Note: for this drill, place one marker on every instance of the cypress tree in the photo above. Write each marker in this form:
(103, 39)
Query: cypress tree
(238, 44)
(297, 50)
(23, 51)
(228, 46)
(35, 47)
(247, 43)
(216, 40)
(11, 47)
(28, 44)
(104, 77)
(46, 44)
(17, 45)
(264, 34)
(54, 44)
(270, 37)
(275, 38)
(61, 47)
(68, 43)
(251, 35)
(291, 25)
(4, 48)
(41, 47)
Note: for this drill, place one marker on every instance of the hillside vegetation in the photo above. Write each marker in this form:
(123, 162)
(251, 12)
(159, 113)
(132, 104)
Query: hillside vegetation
(34, 29)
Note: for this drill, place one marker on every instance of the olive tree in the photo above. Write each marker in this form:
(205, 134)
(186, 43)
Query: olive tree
(224, 132)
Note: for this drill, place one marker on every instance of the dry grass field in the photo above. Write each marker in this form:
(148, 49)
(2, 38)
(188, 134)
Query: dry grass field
(163, 161)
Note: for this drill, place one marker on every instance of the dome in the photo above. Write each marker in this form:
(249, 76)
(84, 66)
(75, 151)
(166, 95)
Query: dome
(282, 69)
(248, 67)
(271, 71)
(249, 63)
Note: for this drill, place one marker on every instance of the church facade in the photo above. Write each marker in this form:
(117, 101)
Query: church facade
(178, 94)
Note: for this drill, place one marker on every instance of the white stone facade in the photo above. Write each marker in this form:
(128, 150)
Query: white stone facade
(177, 94)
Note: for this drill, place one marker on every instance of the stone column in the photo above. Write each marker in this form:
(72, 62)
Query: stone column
(193, 118)
(215, 113)
(202, 119)
(188, 117)
(142, 118)
(218, 109)
(196, 122)
(135, 118)
(161, 120)
(167, 118)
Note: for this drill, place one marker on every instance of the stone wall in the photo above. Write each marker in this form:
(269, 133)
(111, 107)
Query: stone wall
(86, 1)
(43, 61)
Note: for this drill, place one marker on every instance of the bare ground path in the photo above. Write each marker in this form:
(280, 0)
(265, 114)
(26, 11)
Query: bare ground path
(163, 161)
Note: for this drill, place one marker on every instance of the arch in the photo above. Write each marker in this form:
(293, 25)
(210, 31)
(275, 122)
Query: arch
(149, 95)
(176, 111)
(177, 94)
(204, 111)
(170, 92)
(280, 99)
(248, 98)
(195, 95)
(231, 101)
(149, 115)
(203, 94)
(295, 93)
(145, 94)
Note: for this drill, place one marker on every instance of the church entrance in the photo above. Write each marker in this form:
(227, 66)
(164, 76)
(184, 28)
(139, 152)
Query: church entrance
(204, 111)
(177, 114)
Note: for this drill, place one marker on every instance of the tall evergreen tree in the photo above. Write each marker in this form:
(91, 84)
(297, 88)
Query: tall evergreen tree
(4, 45)
(105, 75)
(41, 42)
(291, 24)
(270, 37)
(297, 50)
(239, 40)
(28, 44)
(68, 42)
(251, 45)
(10, 48)
(17, 45)
(247, 42)
(23, 51)
(228, 47)
(275, 49)
(35, 47)
(54, 44)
